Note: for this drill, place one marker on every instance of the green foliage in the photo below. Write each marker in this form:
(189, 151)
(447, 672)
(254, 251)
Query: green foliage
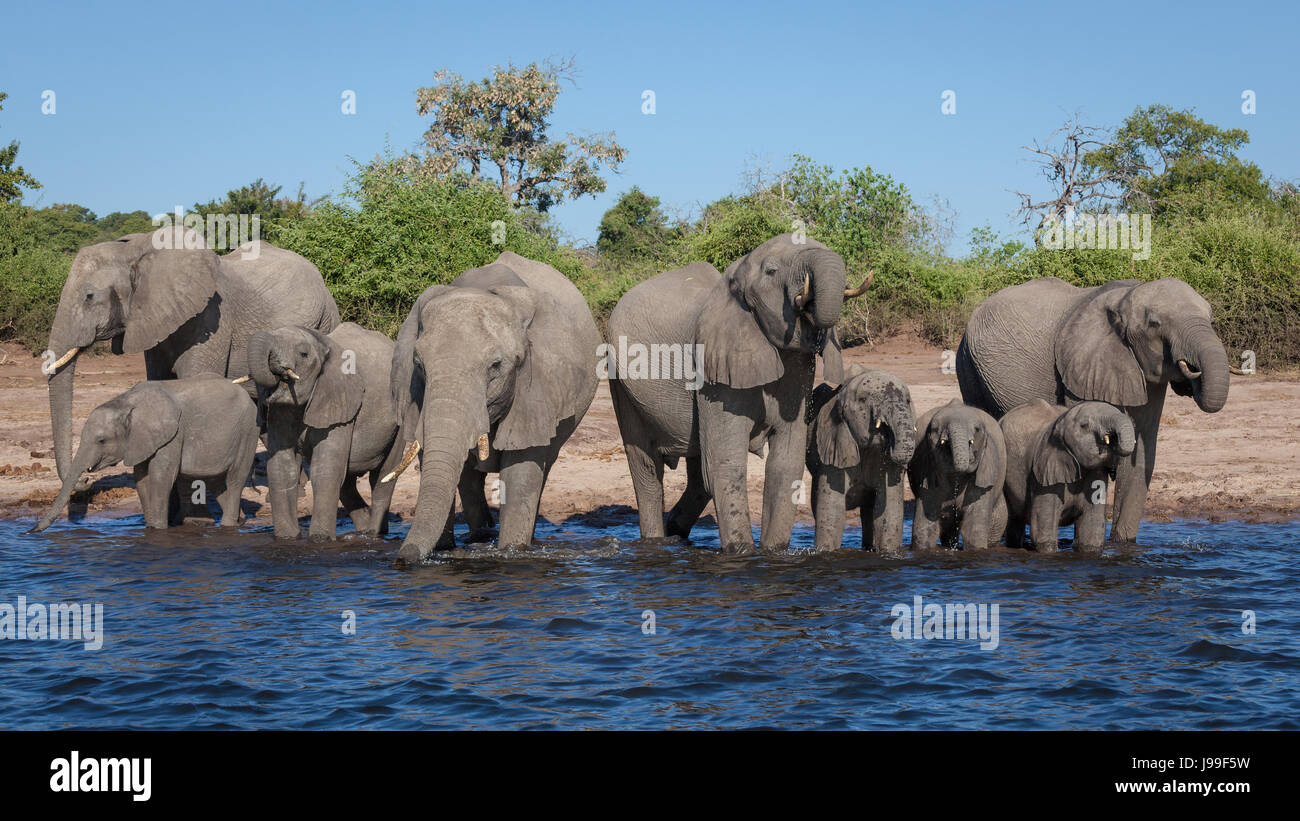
(1175, 161)
(12, 177)
(262, 199)
(498, 127)
(396, 234)
(635, 229)
(31, 278)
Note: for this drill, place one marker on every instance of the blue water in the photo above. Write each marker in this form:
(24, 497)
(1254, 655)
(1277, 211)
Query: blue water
(207, 629)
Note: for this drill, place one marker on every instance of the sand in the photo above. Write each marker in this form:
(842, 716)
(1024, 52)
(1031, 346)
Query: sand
(1242, 463)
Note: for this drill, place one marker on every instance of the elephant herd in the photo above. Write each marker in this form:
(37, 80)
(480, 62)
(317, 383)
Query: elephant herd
(1061, 387)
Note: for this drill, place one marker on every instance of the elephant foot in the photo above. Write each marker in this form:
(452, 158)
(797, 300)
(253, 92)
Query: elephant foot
(677, 529)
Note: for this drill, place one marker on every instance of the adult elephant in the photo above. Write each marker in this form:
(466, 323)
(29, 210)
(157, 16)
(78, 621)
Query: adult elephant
(757, 329)
(188, 310)
(1123, 342)
(491, 374)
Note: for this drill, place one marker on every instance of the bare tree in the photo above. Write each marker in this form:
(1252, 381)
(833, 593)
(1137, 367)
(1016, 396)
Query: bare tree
(1076, 182)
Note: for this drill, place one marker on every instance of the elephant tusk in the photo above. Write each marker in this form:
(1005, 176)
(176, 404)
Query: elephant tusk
(879, 422)
(850, 293)
(1235, 371)
(1187, 371)
(407, 458)
(289, 373)
(943, 441)
(483, 450)
(241, 380)
(65, 359)
(972, 441)
(1106, 438)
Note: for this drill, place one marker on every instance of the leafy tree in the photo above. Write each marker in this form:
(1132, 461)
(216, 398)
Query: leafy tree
(261, 198)
(498, 126)
(1174, 160)
(13, 178)
(119, 224)
(635, 228)
(392, 234)
(65, 227)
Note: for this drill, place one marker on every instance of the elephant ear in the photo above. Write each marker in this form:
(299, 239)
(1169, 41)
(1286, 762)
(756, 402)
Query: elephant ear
(835, 443)
(406, 382)
(992, 469)
(168, 287)
(543, 381)
(1053, 463)
(337, 395)
(1092, 358)
(736, 353)
(154, 420)
(832, 359)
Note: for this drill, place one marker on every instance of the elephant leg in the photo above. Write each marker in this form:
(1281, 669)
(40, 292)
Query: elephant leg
(283, 463)
(354, 506)
(694, 499)
(155, 496)
(887, 527)
(782, 479)
(925, 523)
(522, 477)
(447, 539)
(1133, 475)
(329, 467)
(647, 469)
(983, 519)
(1044, 522)
(724, 452)
(828, 493)
(1090, 527)
(478, 516)
(381, 493)
(1015, 530)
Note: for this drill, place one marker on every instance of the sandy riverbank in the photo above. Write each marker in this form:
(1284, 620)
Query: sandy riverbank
(1242, 463)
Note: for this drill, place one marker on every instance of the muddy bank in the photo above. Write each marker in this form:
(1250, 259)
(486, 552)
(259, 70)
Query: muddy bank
(1242, 463)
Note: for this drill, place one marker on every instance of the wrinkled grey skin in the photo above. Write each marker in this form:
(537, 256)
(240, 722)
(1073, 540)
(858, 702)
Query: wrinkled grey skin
(189, 311)
(957, 475)
(171, 433)
(859, 445)
(758, 347)
(1119, 343)
(338, 415)
(506, 350)
(1057, 464)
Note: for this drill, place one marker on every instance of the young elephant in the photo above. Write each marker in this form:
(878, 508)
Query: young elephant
(1057, 463)
(326, 399)
(862, 437)
(172, 432)
(957, 475)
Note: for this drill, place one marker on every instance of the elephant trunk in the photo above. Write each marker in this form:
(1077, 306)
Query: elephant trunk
(1122, 435)
(61, 415)
(259, 365)
(85, 457)
(1205, 352)
(450, 427)
(963, 452)
(904, 430)
(826, 269)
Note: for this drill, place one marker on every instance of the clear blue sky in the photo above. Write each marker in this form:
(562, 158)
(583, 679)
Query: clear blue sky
(159, 105)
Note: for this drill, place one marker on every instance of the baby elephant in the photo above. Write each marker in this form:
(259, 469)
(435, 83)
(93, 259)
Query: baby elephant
(860, 441)
(1057, 462)
(326, 400)
(957, 475)
(172, 432)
